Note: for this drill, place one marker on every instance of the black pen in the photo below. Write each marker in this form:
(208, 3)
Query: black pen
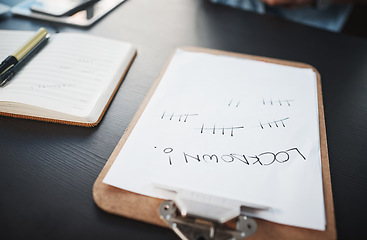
(22, 51)
(10, 72)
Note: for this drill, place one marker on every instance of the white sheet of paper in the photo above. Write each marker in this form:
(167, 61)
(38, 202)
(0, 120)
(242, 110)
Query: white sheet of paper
(237, 128)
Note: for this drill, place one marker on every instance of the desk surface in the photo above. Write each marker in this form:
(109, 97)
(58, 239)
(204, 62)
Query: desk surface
(48, 170)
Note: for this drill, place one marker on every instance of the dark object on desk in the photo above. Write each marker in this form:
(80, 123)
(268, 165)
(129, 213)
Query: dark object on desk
(356, 25)
(82, 18)
(60, 8)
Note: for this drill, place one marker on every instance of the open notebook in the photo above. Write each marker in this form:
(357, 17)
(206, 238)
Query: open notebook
(71, 80)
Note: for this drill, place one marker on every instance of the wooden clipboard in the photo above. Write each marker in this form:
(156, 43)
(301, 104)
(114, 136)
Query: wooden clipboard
(143, 208)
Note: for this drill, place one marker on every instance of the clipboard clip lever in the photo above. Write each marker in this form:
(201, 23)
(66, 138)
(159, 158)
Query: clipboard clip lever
(196, 228)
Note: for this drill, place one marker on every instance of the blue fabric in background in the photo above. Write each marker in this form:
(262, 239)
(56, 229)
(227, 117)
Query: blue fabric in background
(332, 19)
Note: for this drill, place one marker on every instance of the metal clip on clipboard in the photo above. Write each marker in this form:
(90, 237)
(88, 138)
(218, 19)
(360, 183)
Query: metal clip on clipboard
(193, 219)
(195, 228)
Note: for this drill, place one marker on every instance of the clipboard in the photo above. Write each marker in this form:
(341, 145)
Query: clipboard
(117, 201)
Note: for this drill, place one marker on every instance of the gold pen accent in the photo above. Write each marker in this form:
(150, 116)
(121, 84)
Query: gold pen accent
(13, 63)
(33, 41)
(21, 52)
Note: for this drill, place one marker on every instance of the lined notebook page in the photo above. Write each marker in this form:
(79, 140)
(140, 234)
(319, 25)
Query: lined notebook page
(69, 75)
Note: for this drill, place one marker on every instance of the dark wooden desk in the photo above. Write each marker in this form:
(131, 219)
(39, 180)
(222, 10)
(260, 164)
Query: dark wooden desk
(47, 170)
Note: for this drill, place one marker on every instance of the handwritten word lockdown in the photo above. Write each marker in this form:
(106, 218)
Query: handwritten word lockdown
(262, 159)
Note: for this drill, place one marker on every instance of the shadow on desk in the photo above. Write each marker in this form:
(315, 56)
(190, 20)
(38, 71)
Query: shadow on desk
(357, 22)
